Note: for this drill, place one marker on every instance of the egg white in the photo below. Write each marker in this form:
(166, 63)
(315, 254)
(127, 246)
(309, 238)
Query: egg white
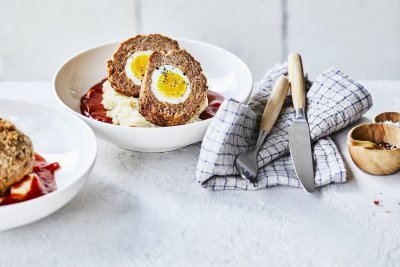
(128, 69)
(154, 88)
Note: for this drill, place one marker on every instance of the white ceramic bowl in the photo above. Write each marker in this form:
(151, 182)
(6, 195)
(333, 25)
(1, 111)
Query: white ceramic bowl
(226, 73)
(59, 137)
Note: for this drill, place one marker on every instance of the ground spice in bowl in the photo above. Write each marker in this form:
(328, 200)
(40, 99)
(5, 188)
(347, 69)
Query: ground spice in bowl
(395, 123)
(386, 145)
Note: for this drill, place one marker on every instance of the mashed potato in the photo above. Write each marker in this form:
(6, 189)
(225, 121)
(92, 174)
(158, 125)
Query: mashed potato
(123, 110)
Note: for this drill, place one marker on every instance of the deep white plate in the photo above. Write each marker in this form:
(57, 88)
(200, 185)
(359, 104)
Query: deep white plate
(226, 74)
(60, 137)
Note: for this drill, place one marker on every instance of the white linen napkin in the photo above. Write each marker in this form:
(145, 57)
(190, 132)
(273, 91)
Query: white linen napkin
(333, 102)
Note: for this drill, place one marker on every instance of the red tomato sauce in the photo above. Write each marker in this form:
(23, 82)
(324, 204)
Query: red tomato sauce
(91, 104)
(43, 182)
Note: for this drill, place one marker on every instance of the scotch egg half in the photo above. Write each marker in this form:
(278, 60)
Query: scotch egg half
(136, 65)
(169, 84)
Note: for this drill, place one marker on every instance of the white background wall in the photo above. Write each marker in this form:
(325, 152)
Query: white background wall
(361, 37)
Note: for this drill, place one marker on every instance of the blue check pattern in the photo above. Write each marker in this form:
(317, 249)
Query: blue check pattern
(334, 101)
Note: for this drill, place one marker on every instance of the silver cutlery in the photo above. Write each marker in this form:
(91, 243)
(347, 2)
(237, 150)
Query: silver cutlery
(246, 163)
(299, 131)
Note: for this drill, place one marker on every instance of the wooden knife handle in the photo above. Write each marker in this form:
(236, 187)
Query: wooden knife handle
(274, 104)
(296, 77)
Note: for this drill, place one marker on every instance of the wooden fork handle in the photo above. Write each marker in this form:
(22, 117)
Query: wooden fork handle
(274, 104)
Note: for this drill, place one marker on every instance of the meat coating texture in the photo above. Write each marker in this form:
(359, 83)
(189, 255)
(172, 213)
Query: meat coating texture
(16, 155)
(166, 114)
(116, 66)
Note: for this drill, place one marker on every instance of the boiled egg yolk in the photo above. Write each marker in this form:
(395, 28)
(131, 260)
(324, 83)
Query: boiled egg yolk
(169, 84)
(139, 64)
(136, 64)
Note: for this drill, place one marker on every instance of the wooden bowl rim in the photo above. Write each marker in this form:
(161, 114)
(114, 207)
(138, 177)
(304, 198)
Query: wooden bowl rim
(380, 114)
(373, 124)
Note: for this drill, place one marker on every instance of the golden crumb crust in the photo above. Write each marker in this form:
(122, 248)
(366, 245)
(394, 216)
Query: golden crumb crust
(116, 66)
(166, 114)
(16, 155)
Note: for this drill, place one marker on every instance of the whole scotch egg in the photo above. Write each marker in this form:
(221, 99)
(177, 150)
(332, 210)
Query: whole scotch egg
(127, 67)
(174, 89)
(16, 155)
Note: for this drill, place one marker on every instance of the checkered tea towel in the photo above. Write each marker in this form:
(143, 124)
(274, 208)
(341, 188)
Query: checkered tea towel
(333, 102)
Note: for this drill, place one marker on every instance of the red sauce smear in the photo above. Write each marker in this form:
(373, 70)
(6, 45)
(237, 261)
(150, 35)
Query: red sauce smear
(214, 101)
(91, 104)
(43, 182)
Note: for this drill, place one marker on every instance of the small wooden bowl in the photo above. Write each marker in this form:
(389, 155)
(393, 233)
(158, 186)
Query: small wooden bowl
(370, 160)
(388, 116)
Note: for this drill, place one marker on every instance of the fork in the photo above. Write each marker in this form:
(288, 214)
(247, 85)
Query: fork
(246, 163)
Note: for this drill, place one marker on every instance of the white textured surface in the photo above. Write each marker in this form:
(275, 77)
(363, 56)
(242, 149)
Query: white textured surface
(147, 210)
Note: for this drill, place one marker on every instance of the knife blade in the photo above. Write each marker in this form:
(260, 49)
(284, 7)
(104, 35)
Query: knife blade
(299, 131)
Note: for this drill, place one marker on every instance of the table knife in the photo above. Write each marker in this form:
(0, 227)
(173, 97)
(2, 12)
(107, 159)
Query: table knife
(299, 131)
